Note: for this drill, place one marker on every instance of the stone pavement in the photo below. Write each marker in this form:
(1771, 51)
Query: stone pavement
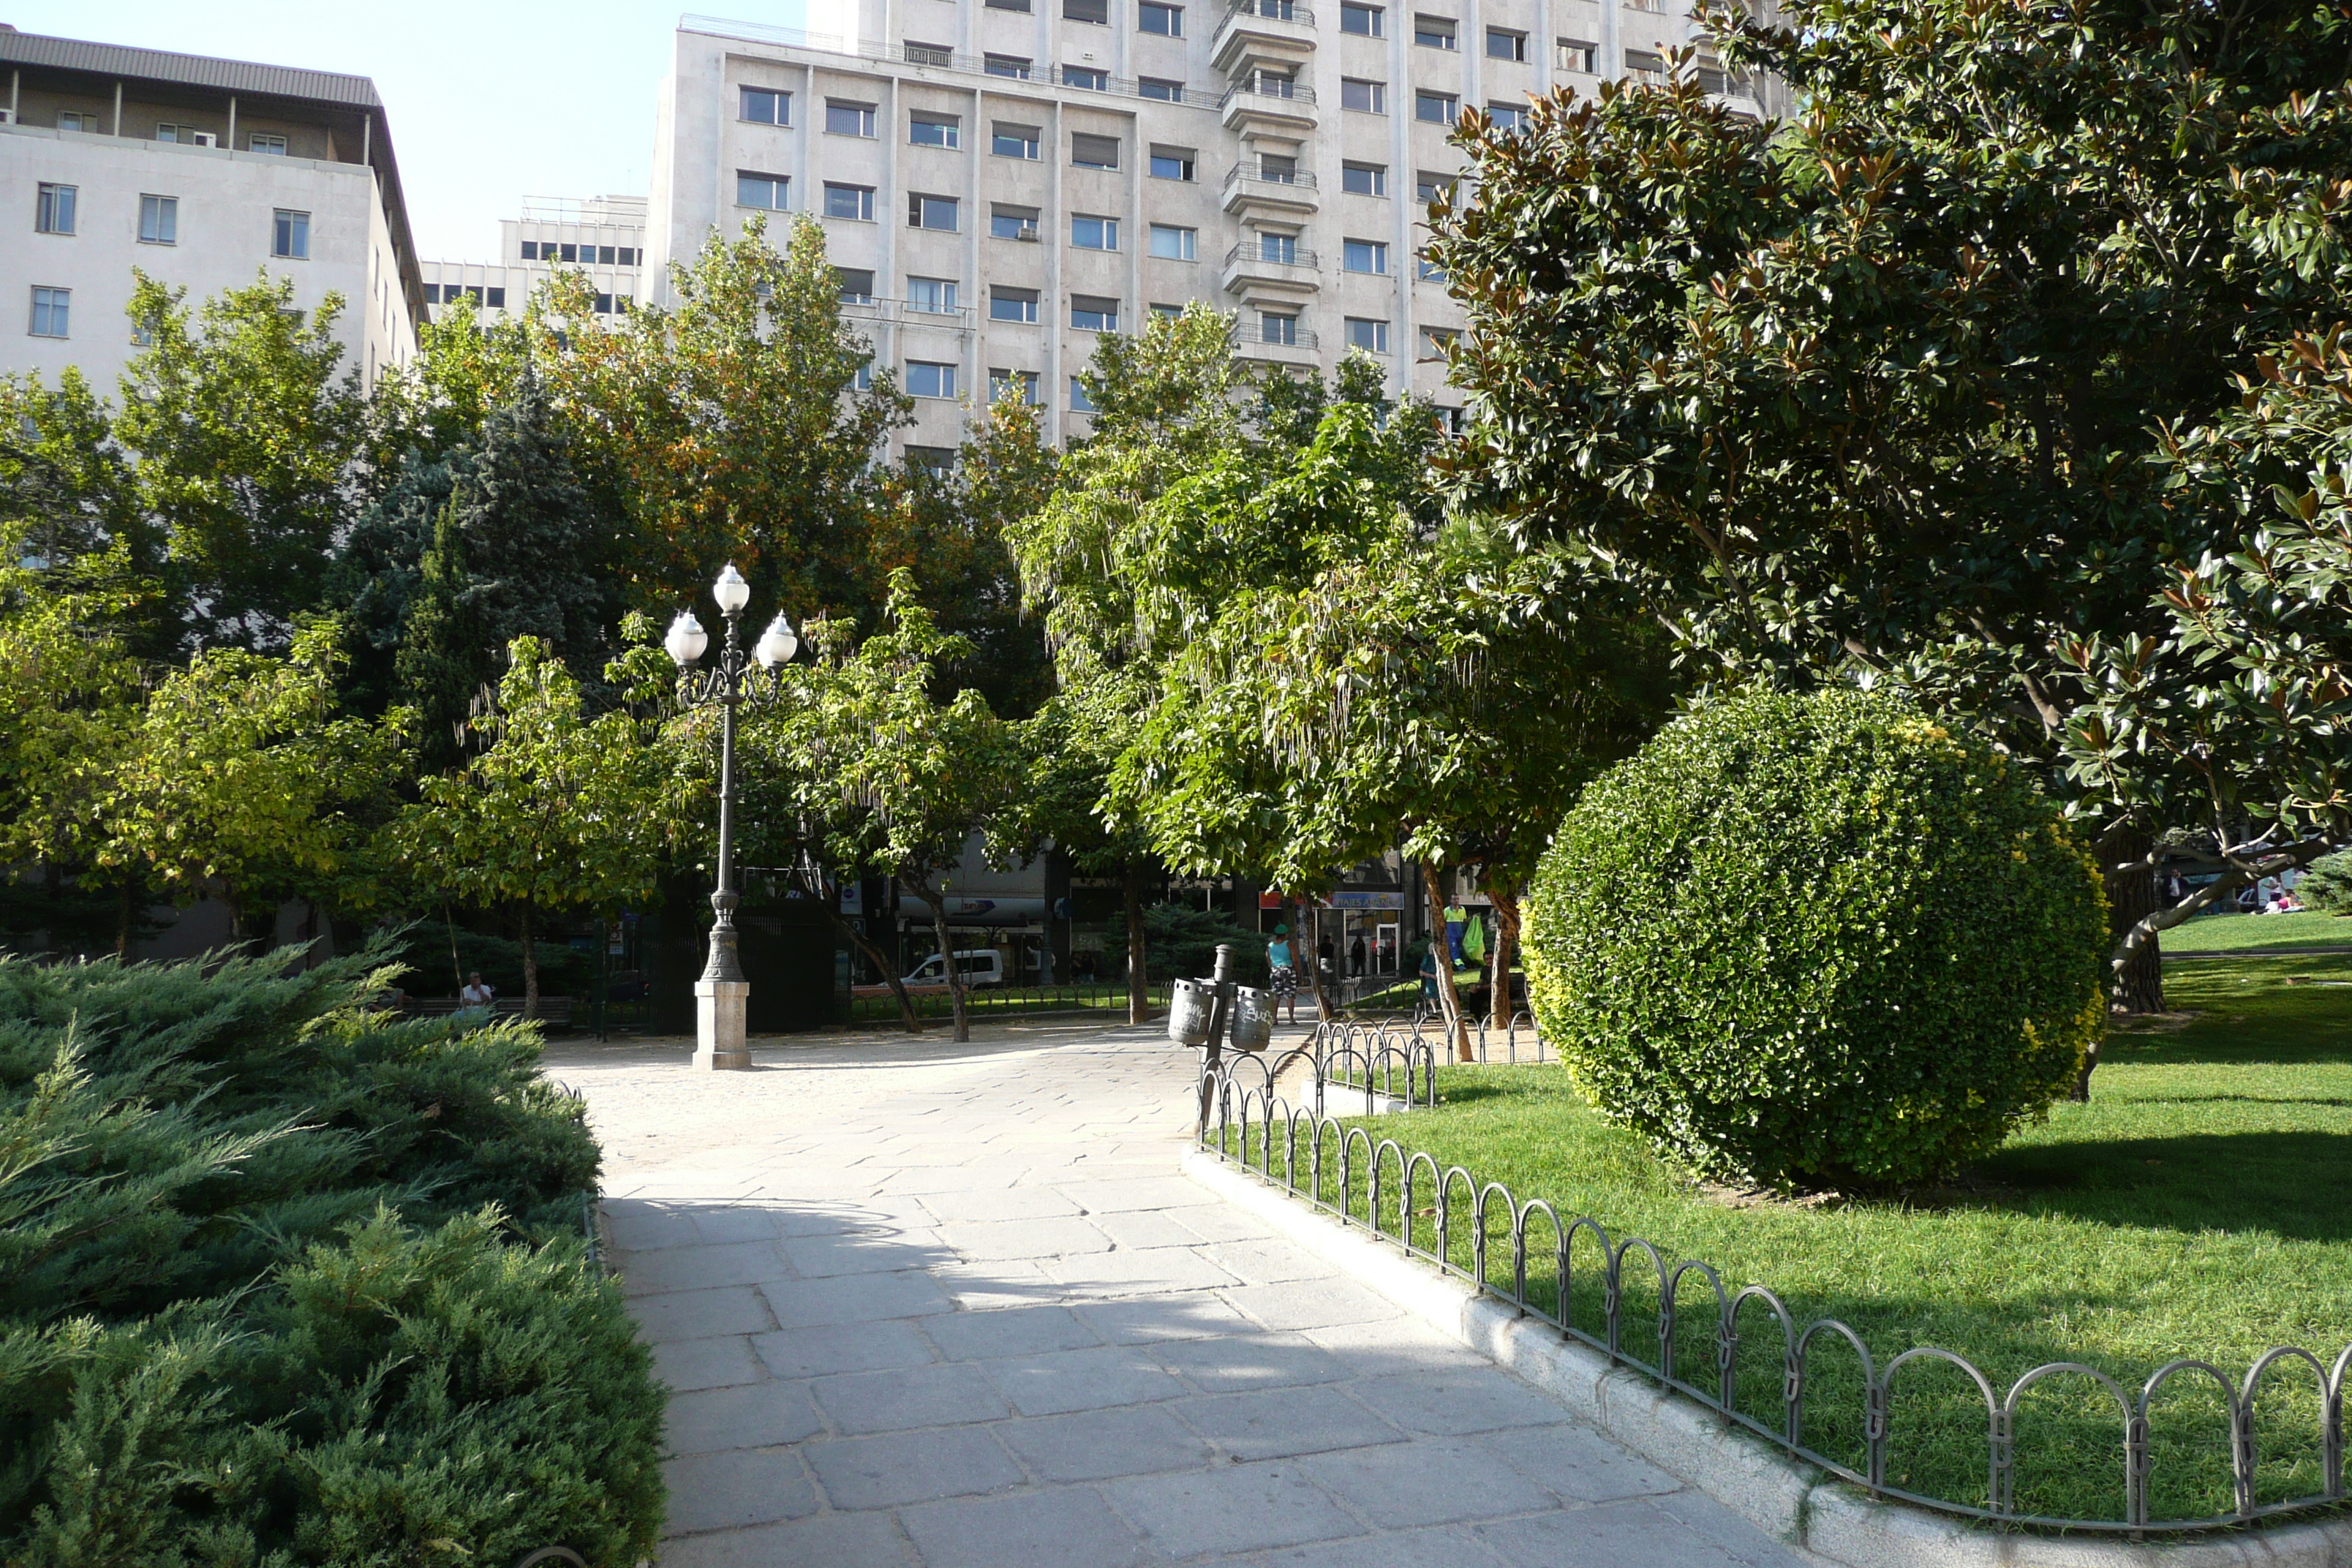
(924, 1303)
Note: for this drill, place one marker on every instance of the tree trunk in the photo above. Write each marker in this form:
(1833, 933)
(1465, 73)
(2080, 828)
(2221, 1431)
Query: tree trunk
(1314, 957)
(1139, 975)
(1506, 945)
(1449, 1000)
(456, 970)
(122, 911)
(2132, 897)
(529, 965)
(947, 959)
(858, 940)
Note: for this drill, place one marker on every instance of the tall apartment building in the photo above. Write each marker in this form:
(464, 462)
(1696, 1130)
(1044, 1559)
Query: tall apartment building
(603, 237)
(200, 173)
(1000, 181)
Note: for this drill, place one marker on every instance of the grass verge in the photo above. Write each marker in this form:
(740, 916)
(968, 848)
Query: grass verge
(2194, 1207)
(2225, 933)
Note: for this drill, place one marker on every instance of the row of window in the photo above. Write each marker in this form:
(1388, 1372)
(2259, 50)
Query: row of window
(57, 209)
(581, 255)
(184, 135)
(450, 293)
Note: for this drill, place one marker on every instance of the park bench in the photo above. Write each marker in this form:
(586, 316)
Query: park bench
(555, 1012)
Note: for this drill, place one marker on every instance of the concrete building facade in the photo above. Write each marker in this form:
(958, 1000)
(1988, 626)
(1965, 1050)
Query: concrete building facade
(203, 173)
(1000, 181)
(603, 237)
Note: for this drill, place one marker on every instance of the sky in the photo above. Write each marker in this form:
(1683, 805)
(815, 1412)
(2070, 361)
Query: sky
(489, 102)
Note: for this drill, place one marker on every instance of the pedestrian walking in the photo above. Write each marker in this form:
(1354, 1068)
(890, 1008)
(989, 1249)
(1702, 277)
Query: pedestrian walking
(1282, 968)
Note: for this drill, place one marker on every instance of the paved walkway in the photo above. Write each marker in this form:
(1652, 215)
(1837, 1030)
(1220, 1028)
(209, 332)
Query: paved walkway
(954, 1305)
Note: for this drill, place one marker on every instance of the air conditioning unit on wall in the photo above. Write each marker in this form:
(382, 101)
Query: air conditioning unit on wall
(207, 139)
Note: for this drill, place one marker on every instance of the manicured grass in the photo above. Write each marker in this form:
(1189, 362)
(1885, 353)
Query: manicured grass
(2195, 1206)
(2221, 933)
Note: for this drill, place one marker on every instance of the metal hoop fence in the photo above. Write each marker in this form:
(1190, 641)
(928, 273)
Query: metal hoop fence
(1800, 1387)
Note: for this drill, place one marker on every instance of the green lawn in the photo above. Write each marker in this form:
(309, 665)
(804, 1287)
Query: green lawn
(2221, 933)
(2196, 1206)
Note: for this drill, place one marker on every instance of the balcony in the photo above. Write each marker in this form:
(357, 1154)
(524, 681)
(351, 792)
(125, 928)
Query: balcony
(1267, 106)
(1250, 343)
(1250, 272)
(1250, 191)
(906, 313)
(1269, 32)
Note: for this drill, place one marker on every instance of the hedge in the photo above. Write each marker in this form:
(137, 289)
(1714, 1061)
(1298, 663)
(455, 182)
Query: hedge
(1818, 942)
(286, 1280)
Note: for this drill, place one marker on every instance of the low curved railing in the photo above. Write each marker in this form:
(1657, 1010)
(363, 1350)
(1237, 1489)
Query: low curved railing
(1251, 1121)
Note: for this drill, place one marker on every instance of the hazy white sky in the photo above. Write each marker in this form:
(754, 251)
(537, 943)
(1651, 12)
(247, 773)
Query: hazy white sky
(489, 102)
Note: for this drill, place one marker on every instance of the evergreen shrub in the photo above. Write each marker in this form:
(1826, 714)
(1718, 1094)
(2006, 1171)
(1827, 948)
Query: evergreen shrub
(1818, 942)
(2327, 884)
(286, 1280)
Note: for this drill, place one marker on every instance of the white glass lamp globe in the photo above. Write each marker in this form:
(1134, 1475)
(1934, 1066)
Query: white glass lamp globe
(685, 639)
(777, 644)
(731, 591)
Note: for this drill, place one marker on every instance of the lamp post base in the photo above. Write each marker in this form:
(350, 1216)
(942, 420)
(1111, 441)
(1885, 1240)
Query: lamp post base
(719, 1042)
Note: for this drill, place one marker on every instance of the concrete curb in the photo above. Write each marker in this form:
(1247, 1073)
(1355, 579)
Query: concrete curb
(1779, 1494)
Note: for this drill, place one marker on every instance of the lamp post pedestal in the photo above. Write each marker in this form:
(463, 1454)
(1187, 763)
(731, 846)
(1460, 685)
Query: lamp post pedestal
(719, 1044)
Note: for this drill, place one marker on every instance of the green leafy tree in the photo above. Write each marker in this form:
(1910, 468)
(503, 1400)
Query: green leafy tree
(1869, 394)
(250, 437)
(895, 778)
(558, 810)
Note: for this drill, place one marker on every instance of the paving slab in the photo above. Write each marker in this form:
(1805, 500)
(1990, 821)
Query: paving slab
(931, 1305)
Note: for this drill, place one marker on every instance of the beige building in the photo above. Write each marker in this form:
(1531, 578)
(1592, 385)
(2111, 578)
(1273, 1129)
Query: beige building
(603, 237)
(1003, 180)
(201, 172)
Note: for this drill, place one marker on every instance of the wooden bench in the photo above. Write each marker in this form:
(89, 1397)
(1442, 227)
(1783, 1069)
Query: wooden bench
(555, 1012)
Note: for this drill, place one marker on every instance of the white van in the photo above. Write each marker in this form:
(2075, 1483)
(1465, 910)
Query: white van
(979, 966)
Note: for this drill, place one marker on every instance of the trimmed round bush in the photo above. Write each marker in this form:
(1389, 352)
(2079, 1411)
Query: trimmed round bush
(1818, 942)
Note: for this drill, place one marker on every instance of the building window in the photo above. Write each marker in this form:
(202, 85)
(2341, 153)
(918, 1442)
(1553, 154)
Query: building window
(75, 119)
(765, 107)
(1168, 21)
(1364, 256)
(1508, 118)
(1092, 313)
(289, 235)
(1642, 64)
(1436, 108)
(1429, 187)
(530, 250)
(159, 220)
(931, 460)
(1280, 169)
(1012, 223)
(182, 135)
(852, 202)
(1014, 141)
(857, 284)
(1279, 10)
(1020, 6)
(767, 192)
(929, 378)
(1024, 385)
(1279, 248)
(1093, 233)
(1094, 151)
(263, 141)
(497, 298)
(931, 212)
(52, 311)
(1365, 334)
(1164, 312)
(845, 119)
(1364, 21)
(1172, 163)
(1502, 44)
(433, 293)
(934, 131)
(1079, 402)
(864, 380)
(1015, 65)
(603, 304)
(1364, 179)
(928, 54)
(1425, 269)
(931, 296)
(1435, 33)
(1274, 84)
(1363, 96)
(1171, 243)
(1273, 328)
(1160, 88)
(1436, 342)
(53, 208)
(1012, 304)
(1085, 76)
(1575, 55)
(1095, 11)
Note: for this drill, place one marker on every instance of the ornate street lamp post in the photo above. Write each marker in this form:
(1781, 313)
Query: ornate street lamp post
(721, 995)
